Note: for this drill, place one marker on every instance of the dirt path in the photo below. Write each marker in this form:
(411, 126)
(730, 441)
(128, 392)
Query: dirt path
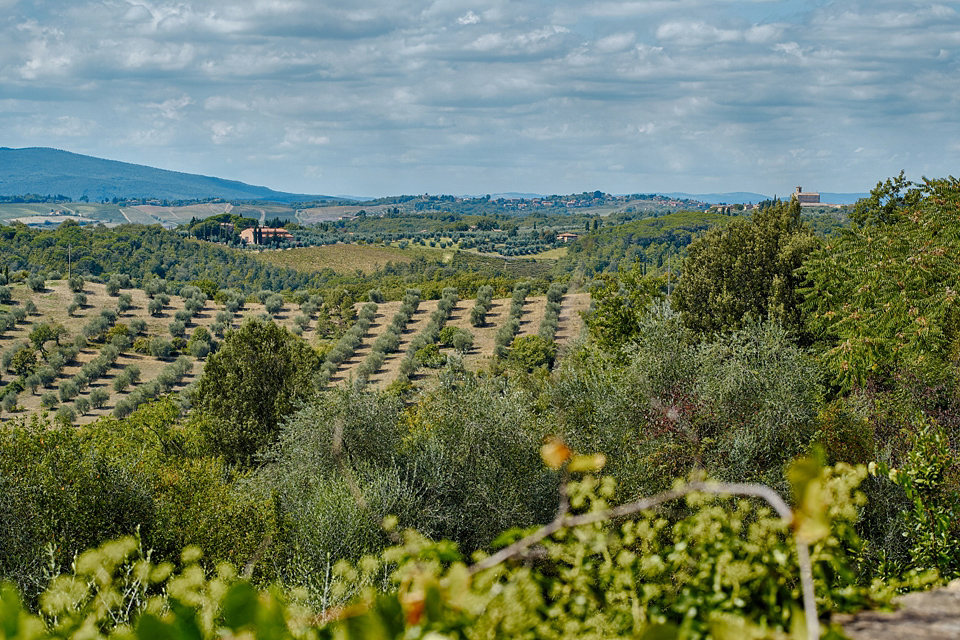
(570, 324)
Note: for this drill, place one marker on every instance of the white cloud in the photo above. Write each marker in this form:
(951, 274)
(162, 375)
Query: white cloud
(221, 132)
(384, 94)
(172, 108)
(615, 42)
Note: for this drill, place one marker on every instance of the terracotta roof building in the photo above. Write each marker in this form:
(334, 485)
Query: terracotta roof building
(264, 235)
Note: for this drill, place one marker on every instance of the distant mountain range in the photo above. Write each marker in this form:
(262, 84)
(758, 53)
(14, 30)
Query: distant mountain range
(743, 197)
(44, 171)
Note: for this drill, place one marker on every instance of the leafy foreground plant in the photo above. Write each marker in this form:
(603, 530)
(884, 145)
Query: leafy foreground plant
(725, 569)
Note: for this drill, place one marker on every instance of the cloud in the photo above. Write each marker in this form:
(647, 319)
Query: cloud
(172, 108)
(384, 96)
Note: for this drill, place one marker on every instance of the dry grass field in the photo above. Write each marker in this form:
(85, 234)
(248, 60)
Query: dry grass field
(342, 258)
(51, 307)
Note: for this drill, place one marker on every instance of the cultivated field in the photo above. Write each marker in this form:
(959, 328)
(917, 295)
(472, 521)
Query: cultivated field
(51, 307)
(342, 258)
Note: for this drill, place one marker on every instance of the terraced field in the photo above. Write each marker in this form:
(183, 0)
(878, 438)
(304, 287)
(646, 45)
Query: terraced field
(51, 307)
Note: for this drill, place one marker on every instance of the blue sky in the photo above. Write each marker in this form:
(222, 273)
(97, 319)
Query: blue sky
(469, 97)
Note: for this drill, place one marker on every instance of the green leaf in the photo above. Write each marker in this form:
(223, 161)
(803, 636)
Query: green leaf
(150, 627)
(240, 605)
(661, 632)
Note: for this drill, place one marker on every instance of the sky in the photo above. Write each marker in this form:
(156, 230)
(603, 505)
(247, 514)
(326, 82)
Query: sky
(387, 97)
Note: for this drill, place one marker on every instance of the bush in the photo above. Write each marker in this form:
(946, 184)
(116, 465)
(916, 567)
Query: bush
(36, 283)
(113, 286)
(195, 305)
(463, 341)
(9, 402)
(66, 415)
(177, 329)
(121, 381)
(68, 390)
(82, 405)
(199, 349)
(98, 398)
(430, 356)
(32, 383)
(301, 320)
(160, 348)
(123, 408)
(274, 304)
(531, 352)
(47, 375)
(124, 302)
(82, 380)
(49, 400)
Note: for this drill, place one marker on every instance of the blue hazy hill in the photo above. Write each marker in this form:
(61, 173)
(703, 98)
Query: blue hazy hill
(45, 171)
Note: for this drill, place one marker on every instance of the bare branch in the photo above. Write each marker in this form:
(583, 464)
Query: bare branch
(562, 521)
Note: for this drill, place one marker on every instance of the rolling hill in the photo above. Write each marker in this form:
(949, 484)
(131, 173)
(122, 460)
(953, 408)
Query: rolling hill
(47, 171)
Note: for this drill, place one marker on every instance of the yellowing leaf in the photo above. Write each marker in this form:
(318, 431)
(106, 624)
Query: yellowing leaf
(555, 453)
(588, 463)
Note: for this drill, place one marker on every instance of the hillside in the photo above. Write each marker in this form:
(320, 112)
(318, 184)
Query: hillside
(51, 307)
(47, 171)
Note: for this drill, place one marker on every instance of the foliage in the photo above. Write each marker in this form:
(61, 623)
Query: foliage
(653, 240)
(746, 269)
(528, 353)
(725, 569)
(739, 405)
(929, 479)
(256, 378)
(619, 305)
(883, 295)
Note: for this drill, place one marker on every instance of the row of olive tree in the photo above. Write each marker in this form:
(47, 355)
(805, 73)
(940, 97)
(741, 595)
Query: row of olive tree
(423, 350)
(551, 316)
(511, 327)
(345, 347)
(478, 314)
(389, 341)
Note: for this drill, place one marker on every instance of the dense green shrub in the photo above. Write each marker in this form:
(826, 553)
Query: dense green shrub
(253, 381)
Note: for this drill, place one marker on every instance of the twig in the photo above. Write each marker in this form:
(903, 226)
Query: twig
(562, 520)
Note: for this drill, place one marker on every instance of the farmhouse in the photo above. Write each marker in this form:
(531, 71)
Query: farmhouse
(567, 237)
(264, 235)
